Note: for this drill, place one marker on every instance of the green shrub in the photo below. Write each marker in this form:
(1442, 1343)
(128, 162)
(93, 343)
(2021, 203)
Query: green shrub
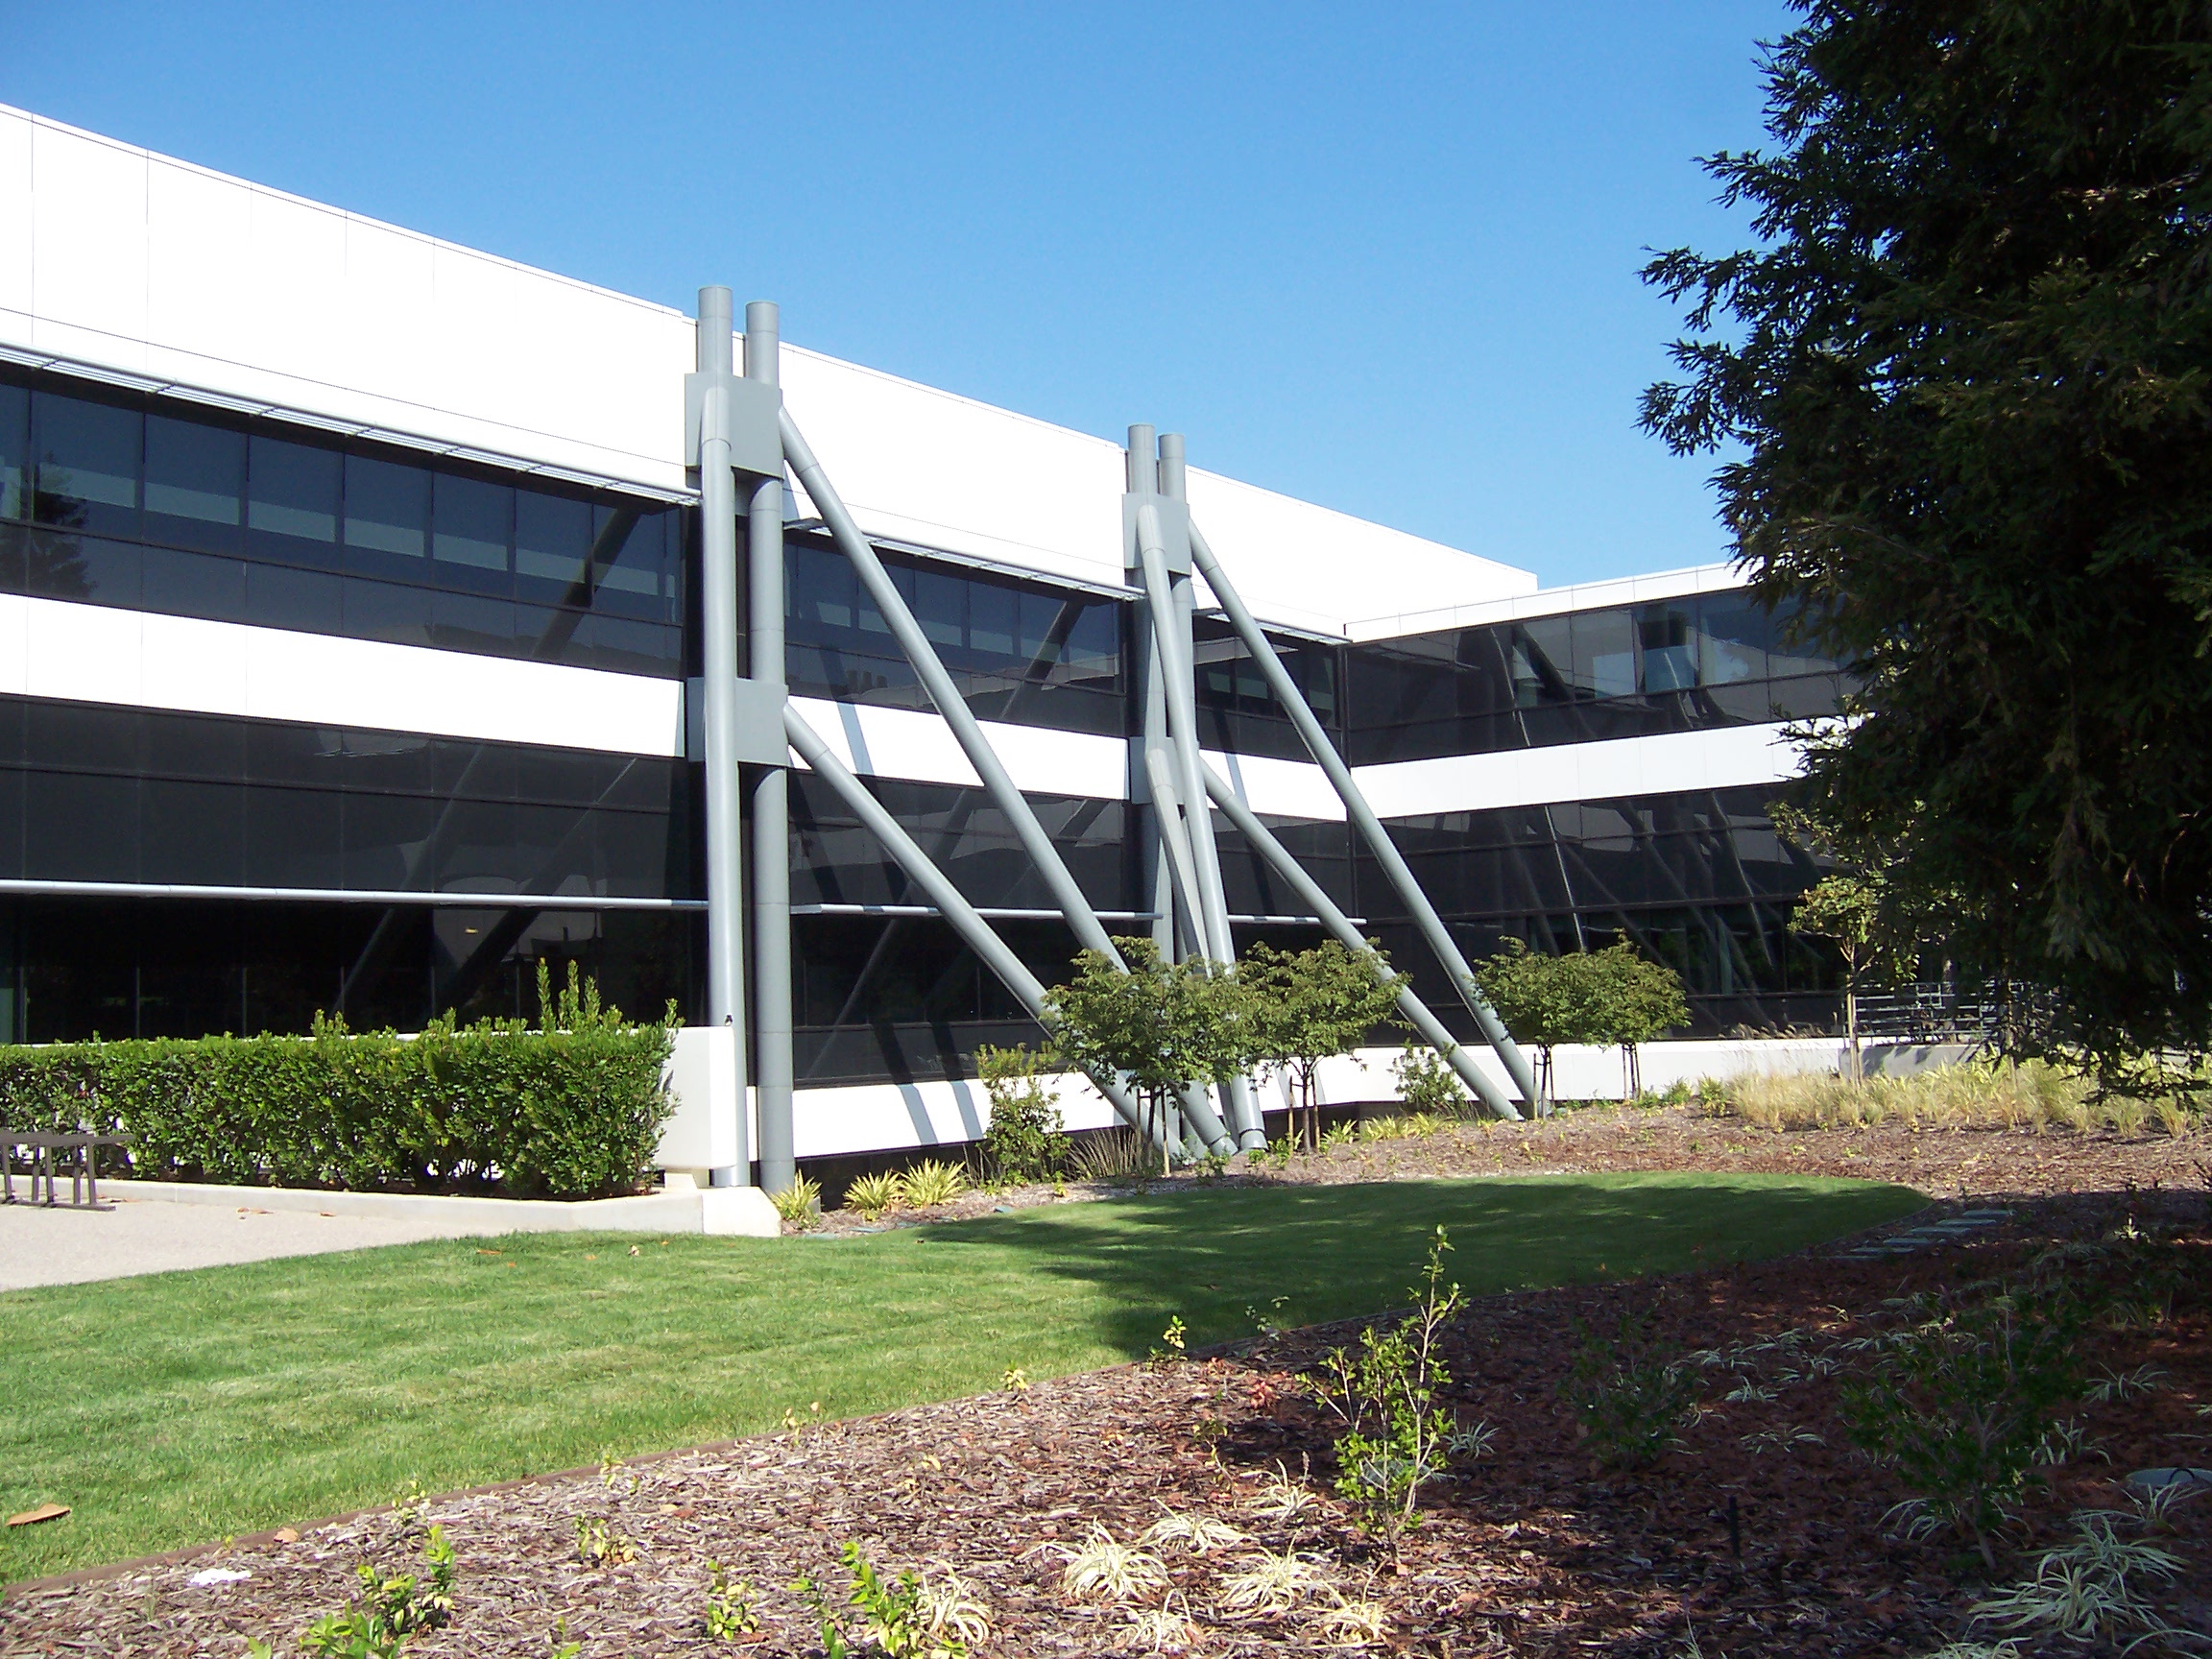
(1628, 1394)
(1024, 1142)
(1959, 1402)
(569, 1109)
(1428, 1084)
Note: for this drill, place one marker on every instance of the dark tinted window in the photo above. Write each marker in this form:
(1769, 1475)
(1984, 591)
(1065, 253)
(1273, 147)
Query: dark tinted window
(14, 449)
(88, 464)
(474, 527)
(291, 501)
(387, 517)
(195, 484)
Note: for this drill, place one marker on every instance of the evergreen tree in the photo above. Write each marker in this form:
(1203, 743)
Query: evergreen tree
(1961, 383)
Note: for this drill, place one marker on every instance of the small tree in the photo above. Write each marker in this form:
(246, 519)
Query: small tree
(1633, 1000)
(1543, 999)
(1844, 910)
(1308, 1006)
(1167, 1025)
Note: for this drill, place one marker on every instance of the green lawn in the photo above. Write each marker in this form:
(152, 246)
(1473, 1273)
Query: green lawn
(171, 1409)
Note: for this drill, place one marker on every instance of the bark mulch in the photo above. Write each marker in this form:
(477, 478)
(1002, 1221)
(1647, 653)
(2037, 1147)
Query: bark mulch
(1530, 1549)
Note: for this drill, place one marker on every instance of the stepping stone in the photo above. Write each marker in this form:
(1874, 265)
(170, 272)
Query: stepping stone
(1987, 1217)
(2156, 1480)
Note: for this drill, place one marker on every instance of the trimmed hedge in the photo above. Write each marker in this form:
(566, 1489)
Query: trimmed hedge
(572, 1108)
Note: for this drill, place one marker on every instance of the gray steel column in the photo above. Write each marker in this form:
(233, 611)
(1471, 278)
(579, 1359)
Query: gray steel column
(770, 799)
(1370, 827)
(1416, 1012)
(1066, 894)
(937, 887)
(1156, 858)
(1172, 629)
(718, 616)
(1243, 1108)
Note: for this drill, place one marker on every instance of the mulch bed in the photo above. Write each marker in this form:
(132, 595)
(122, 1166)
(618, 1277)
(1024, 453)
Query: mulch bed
(1533, 1550)
(1941, 1162)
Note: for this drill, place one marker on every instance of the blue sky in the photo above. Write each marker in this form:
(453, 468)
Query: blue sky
(1382, 257)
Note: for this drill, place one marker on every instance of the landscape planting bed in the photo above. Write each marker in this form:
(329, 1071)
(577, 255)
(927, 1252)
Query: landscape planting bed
(1533, 1548)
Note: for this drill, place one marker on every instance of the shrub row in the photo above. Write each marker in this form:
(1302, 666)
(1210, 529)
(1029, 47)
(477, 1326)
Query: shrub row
(572, 1108)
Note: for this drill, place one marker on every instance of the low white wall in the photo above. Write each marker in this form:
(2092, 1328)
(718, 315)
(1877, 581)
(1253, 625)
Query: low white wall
(912, 1117)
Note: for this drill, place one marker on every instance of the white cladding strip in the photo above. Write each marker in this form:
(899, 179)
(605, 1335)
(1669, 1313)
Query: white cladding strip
(92, 654)
(130, 261)
(163, 269)
(1552, 602)
(919, 746)
(1727, 758)
(898, 1117)
(913, 744)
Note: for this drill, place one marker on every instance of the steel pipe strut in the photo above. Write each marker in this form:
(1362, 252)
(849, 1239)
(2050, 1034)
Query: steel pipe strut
(718, 645)
(1066, 894)
(1416, 1011)
(770, 795)
(951, 903)
(1170, 610)
(1431, 925)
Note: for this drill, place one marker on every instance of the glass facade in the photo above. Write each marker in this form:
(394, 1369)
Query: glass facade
(90, 792)
(115, 498)
(1021, 652)
(1697, 880)
(123, 499)
(78, 967)
(1632, 671)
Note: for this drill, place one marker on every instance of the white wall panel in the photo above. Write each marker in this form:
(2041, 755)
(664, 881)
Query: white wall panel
(199, 228)
(1660, 584)
(920, 747)
(92, 654)
(392, 278)
(88, 237)
(1279, 788)
(1730, 757)
(911, 1116)
(16, 255)
(296, 264)
(311, 309)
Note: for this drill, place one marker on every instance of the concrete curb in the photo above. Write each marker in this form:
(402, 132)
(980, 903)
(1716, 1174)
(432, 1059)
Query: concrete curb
(723, 1212)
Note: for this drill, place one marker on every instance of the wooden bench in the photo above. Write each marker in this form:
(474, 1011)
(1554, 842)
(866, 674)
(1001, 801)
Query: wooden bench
(46, 1148)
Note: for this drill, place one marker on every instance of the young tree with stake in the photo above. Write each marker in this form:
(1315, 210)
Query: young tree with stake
(1308, 1006)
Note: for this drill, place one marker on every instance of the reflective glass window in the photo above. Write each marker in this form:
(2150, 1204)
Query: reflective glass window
(629, 565)
(940, 605)
(1732, 636)
(1538, 661)
(88, 464)
(195, 484)
(1668, 637)
(1605, 654)
(387, 508)
(994, 618)
(292, 499)
(552, 540)
(15, 448)
(1788, 654)
(473, 522)
(1093, 647)
(821, 593)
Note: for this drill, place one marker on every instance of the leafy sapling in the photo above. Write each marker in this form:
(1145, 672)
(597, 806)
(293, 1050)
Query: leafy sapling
(1383, 1395)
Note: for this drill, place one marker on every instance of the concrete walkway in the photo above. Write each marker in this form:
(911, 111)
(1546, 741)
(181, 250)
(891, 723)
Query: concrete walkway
(40, 1246)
